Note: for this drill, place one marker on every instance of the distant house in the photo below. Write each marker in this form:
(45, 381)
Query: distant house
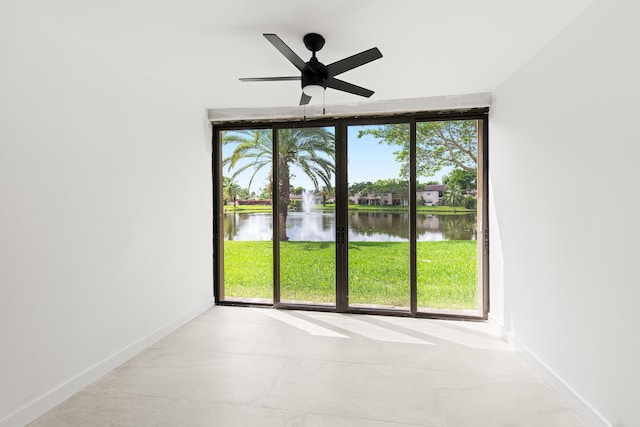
(374, 199)
(432, 194)
(371, 199)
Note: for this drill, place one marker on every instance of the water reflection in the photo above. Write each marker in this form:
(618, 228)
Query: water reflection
(363, 226)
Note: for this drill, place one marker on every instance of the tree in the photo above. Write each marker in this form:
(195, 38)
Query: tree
(470, 202)
(363, 187)
(231, 190)
(398, 188)
(326, 192)
(438, 144)
(311, 149)
(465, 179)
(264, 193)
(453, 197)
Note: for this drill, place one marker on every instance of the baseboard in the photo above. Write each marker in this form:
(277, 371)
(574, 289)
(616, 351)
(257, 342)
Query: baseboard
(498, 328)
(590, 415)
(52, 398)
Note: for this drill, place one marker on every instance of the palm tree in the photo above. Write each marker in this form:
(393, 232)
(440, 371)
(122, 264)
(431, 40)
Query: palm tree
(326, 192)
(310, 149)
(453, 196)
(231, 189)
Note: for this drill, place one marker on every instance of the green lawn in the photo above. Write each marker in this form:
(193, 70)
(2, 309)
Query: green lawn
(248, 208)
(444, 210)
(378, 272)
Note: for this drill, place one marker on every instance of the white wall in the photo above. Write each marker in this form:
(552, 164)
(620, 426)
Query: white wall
(564, 130)
(105, 219)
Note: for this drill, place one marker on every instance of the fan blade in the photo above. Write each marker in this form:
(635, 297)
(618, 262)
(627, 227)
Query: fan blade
(268, 79)
(348, 87)
(354, 61)
(286, 51)
(304, 99)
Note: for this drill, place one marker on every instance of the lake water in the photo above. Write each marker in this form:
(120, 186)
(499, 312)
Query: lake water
(363, 226)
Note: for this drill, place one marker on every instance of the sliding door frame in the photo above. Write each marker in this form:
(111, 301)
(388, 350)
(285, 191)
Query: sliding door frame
(340, 125)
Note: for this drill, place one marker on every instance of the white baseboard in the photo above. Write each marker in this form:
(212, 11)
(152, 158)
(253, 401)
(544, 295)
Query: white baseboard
(590, 415)
(40, 405)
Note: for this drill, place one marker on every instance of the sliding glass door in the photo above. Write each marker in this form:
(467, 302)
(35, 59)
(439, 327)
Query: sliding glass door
(244, 207)
(447, 215)
(306, 215)
(354, 216)
(378, 219)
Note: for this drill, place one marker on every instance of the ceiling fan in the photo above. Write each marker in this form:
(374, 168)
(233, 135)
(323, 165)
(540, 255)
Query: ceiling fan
(316, 76)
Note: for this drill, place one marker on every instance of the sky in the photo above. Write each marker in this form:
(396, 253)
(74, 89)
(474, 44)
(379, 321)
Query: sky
(369, 160)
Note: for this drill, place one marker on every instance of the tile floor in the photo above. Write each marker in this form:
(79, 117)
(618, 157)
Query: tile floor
(262, 367)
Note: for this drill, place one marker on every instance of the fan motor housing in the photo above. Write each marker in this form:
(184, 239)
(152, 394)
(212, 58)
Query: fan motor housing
(315, 73)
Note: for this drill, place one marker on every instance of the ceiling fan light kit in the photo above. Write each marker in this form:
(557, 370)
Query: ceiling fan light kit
(313, 90)
(314, 75)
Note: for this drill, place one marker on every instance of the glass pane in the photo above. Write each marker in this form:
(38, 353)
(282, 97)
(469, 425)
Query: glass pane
(378, 216)
(446, 249)
(307, 215)
(248, 231)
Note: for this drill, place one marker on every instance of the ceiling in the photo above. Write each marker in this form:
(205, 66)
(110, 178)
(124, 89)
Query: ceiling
(430, 48)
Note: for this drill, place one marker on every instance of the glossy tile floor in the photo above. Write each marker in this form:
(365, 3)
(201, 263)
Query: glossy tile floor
(262, 367)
